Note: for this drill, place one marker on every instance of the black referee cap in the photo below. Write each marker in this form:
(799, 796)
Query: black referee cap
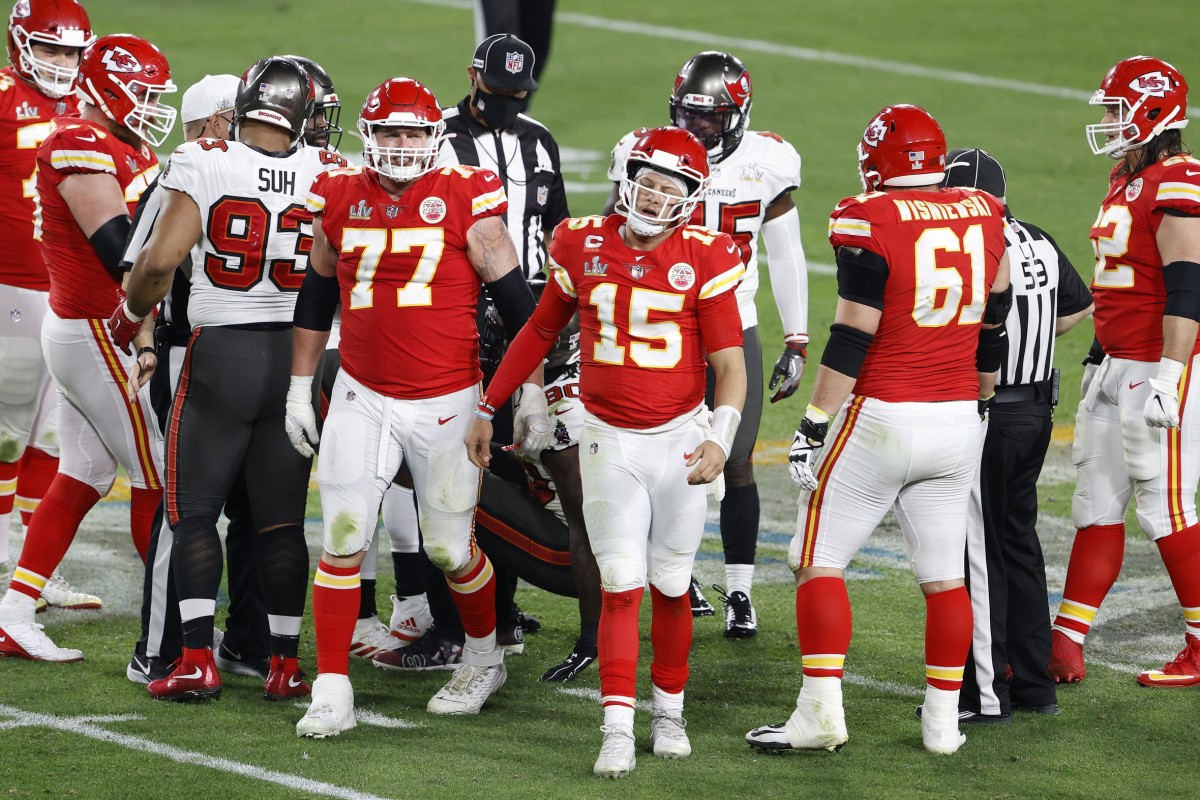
(505, 62)
(975, 169)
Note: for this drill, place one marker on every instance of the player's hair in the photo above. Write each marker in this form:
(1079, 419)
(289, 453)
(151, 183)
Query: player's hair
(1166, 144)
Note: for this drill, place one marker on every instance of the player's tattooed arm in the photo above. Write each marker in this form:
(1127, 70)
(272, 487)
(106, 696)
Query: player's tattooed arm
(490, 249)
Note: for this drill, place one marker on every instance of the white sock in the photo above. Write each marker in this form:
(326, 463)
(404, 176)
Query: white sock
(671, 703)
(619, 715)
(739, 578)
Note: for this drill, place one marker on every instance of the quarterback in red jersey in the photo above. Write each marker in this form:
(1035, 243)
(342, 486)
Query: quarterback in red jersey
(916, 342)
(1137, 432)
(654, 297)
(45, 40)
(91, 172)
(405, 247)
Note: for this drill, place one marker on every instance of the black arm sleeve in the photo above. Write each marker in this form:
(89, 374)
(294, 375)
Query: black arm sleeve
(1095, 355)
(109, 242)
(992, 349)
(862, 276)
(846, 349)
(514, 301)
(1182, 280)
(317, 301)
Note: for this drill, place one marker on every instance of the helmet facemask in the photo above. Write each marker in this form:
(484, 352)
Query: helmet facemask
(719, 128)
(402, 164)
(54, 81)
(665, 209)
(151, 119)
(1127, 134)
(325, 131)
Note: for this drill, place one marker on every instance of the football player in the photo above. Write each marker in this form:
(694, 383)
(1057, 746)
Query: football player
(45, 41)
(753, 176)
(1137, 432)
(921, 271)
(322, 129)
(237, 206)
(404, 246)
(91, 171)
(654, 296)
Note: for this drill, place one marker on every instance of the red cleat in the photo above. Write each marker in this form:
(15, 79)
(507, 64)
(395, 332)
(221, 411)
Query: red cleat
(1066, 659)
(194, 679)
(285, 680)
(1183, 671)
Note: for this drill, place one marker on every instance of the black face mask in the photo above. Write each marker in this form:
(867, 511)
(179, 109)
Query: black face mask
(499, 112)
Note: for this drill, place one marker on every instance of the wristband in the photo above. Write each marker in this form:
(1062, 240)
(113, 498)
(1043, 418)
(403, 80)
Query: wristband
(724, 427)
(796, 338)
(817, 415)
(485, 410)
(129, 315)
(1169, 371)
(143, 350)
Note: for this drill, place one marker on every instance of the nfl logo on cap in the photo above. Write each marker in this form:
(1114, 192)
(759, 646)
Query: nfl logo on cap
(515, 62)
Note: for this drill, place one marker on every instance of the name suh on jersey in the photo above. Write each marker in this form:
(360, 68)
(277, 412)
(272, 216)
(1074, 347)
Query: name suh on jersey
(257, 234)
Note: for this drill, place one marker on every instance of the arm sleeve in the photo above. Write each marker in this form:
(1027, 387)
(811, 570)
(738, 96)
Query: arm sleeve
(789, 273)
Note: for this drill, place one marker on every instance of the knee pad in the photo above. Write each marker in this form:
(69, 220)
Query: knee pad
(1140, 444)
(22, 370)
(452, 482)
(347, 529)
(447, 542)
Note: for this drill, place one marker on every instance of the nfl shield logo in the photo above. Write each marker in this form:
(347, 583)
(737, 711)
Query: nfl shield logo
(514, 62)
(391, 211)
(543, 193)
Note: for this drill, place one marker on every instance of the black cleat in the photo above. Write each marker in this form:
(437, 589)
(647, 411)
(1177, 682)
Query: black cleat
(700, 606)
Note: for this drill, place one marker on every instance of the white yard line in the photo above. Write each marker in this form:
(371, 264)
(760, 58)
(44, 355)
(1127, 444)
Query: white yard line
(83, 727)
(363, 717)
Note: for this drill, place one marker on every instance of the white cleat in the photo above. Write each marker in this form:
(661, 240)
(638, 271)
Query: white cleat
(28, 640)
(332, 708)
(468, 689)
(60, 594)
(939, 725)
(371, 636)
(816, 724)
(411, 618)
(668, 737)
(617, 758)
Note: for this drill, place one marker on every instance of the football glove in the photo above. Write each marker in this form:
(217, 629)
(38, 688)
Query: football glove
(300, 421)
(983, 405)
(532, 427)
(1162, 406)
(785, 378)
(123, 326)
(810, 438)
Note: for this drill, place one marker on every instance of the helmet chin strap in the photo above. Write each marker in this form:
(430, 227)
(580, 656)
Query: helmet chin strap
(643, 227)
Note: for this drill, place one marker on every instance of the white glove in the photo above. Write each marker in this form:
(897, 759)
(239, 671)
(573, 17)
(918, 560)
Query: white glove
(532, 427)
(1162, 406)
(300, 420)
(810, 438)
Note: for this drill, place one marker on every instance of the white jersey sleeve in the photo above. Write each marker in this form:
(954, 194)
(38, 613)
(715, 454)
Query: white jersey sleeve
(620, 154)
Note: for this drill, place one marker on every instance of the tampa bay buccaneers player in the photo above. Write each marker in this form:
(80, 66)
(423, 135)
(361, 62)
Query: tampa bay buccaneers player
(45, 41)
(404, 247)
(1137, 432)
(916, 343)
(655, 298)
(752, 177)
(91, 172)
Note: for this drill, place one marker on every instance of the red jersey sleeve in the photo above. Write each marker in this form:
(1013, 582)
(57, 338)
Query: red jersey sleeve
(850, 225)
(720, 320)
(77, 148)
(1179, 187)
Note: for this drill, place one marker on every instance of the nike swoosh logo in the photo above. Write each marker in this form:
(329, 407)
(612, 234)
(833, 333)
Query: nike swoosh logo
(447, 419)
(561, 411)
(3, 638)
(195, 676)
(686, 456)
(294, 681)
(1133, 385)
(1189, 172)
(86, 139)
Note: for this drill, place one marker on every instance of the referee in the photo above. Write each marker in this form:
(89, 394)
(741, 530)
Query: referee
(1005, 570)
(487, 129)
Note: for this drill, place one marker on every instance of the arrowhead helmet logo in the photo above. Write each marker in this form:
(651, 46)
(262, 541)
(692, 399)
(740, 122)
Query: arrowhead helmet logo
(1153, 84)
(875, 132)
(118, 59)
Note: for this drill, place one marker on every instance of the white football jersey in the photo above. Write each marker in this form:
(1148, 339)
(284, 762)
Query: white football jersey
(256, 233)
(763, 167)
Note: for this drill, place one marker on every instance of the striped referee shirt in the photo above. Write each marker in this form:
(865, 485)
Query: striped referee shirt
(1045, 287)
(526, 159)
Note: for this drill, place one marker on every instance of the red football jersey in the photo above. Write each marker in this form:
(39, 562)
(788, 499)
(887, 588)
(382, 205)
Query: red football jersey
(943, 250)
(409, 294)
(1128, 285)
(646, 318)
(80, 285)
(26, 118)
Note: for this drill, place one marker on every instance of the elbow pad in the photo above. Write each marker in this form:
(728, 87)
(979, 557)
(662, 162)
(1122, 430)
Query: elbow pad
(992, 349)
(513, 300)
(317, 302)
(1182, 281)
(846, 349)
(109, 242)
(997, 307)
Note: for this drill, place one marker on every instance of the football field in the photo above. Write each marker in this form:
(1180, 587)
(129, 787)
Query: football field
(1010, 77)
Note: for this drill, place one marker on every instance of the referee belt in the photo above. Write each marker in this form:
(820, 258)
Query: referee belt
(1039, 392)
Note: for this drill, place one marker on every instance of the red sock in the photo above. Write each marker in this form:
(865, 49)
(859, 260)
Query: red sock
(8, 485)
(1095, 563)
(823, 626)
(671, 638)
(143, 503)
(35, 473)
(335, 610)
(1180, 553)
(55, 523)
(617, 643)
(475, 596)
(948, 623)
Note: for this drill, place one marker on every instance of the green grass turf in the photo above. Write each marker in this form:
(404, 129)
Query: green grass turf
(1113, 741)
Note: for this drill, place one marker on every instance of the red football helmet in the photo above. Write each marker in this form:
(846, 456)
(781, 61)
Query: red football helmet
(1150, 97)
(902, 146)
(125, 77)
(673, 153)
(396, 103)
(55, 22)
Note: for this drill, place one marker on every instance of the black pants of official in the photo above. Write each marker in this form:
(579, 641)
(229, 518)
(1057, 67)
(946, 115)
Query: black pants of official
(531, 21)
(1012, 596)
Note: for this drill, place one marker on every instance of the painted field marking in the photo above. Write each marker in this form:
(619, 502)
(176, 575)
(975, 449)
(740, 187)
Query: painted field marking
(364, 717)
